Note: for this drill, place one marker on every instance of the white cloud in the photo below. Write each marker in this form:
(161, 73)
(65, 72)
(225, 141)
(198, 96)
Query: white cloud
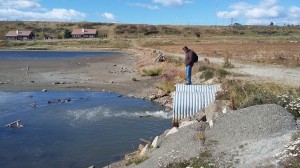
(241, 6)
(27, 10)
(53, 15)
(108, 16)
(172, 3)
(151, 7)
(267, 3)
(264, 12)
(19, 4)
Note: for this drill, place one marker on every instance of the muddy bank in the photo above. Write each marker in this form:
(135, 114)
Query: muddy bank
(103, 73)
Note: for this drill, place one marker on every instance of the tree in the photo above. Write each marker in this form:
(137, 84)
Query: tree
(59, 36)
(67, 34)
(271, 24)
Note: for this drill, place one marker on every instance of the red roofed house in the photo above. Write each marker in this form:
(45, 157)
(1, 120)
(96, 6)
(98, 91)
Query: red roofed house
(20, 35)
(84, 33)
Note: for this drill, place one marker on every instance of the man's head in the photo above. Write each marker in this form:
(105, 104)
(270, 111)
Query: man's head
(185, 49)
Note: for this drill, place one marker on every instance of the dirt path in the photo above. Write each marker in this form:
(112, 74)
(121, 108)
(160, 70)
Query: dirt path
(251, 72)
(265, 73)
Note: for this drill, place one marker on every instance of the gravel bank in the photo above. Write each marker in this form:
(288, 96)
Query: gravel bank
(240, 138)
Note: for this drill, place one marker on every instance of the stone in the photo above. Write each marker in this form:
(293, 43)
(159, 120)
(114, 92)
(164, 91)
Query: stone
(172, 131)
(201, 126)
(186, 123)
(200, 116)
(160, 93)
(154, 142)
(211, 123)
(225, 110)
(141, 147)
(144, 150)
(152, 97)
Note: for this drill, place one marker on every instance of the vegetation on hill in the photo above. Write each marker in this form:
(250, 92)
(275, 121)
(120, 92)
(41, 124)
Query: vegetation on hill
(55, 29)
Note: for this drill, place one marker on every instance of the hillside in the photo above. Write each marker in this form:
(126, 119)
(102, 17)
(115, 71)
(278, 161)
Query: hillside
(56, 29)
(254, 44)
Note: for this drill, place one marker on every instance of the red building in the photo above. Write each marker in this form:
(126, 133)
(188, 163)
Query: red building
(84, 33)
(20, 35)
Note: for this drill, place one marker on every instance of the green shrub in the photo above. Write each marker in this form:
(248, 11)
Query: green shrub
(291, 103)
(196, 162)
(221, 73)
(248, 94)
(136, 160)
(202, 68)
(207, 74)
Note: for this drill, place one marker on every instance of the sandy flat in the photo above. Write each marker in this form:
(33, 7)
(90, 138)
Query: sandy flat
(103, 73)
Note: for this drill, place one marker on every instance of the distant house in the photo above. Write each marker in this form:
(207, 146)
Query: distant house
(84, 33)
(20, 35)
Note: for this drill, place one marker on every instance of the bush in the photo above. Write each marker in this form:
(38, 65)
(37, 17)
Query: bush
(207, 74)
(227, 63)
(166, 86)
(197, 162)
(291, 103)
(136, 160)
(176, 62)
(250, 94)
(59, 36)
(151, 71)
(221, 73)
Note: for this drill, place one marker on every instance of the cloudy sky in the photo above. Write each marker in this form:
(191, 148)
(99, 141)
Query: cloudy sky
(179, 12)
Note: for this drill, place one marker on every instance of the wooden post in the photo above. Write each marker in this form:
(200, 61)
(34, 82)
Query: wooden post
(27, 70)
(232, 103)
(144, 141)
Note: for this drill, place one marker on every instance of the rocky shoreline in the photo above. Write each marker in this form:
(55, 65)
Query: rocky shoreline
(194, 137)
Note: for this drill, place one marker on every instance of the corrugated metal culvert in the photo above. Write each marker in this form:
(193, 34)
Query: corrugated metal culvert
(190, 99)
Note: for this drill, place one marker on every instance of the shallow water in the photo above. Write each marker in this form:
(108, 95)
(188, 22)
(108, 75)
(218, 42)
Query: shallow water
(23, 54)
(93, 128)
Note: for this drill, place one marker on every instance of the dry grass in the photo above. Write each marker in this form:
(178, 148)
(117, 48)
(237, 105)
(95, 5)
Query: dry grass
(247, 94)
(263, 44)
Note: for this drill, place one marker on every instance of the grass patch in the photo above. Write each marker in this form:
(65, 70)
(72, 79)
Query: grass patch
(227, 63)
(221, 73)
(166, 86)
(207, 74)
(151, 71)
(134, 79)
(247, 94)
(196, 162)
(206, 154)
(175, 62)
(136, 160)
(210, 70)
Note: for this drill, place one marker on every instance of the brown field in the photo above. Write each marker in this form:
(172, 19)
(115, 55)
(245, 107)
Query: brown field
(263, 44)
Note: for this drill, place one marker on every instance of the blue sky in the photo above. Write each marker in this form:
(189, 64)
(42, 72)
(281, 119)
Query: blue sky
(156, 12)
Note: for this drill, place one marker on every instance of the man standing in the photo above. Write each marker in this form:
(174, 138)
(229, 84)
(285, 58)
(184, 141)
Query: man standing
(189, 62)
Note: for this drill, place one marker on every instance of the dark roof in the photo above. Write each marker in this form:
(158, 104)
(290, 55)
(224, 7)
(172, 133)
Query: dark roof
(18, 33)
(84, 31)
